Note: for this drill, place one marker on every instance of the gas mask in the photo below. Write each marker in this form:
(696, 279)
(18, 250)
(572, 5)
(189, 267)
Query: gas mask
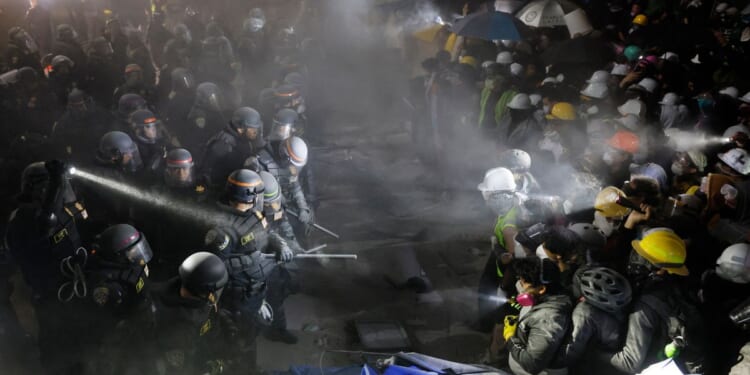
(639, 269)
(500, 202)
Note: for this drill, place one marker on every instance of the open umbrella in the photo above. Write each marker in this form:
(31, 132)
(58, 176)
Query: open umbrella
(488, 26)
(546, 13)
(508, 6)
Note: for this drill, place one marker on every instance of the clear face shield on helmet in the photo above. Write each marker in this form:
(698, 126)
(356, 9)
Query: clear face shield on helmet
(179, 176)
(608, 225)
(130, 160)
(280, 132)
(500, 202)
(140, 253)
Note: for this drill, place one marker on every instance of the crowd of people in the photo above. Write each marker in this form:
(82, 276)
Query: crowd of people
(646, 258)
(180, 134)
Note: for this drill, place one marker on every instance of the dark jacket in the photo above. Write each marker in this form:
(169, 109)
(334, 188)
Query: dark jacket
(647, 333)
(540, 334)
(593, 329)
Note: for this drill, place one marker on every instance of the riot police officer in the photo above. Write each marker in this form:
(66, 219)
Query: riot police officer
(126, 105)
(101, 75)
(44, 240)
(285, 160)
(119, 270)
(244, 302)
(186, 321)
(22, 50)
(135, 83)
(153, 139)
(66, 44)
(206, 117)
(180, 97)
(78, 129)
(227, 150)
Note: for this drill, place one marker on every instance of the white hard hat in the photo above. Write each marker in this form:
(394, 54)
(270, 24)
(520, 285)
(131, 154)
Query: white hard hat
(734, 263)
(648, 84)
(515, 159)
(596, 90)
(696, 59)
(669, 98)
(498, 179)
(632, 107)
(721, 7)
(535, 99)
(730, 91)
(630, 121)
(745, 98)
(599, 76)
(671, 56)
(520, 101)
(516, 69)
(732, 130)
(505, 58)
(737, 159)
(487, 64)
(619, 70)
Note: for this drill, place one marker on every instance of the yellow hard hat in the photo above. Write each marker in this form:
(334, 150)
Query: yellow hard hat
(664, 249)
(640, 20)
(606, 202)
(469, 60)
(562, 111)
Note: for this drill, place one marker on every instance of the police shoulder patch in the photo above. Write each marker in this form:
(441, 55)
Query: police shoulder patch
(101, 295)
(247, 238)
(205, 327)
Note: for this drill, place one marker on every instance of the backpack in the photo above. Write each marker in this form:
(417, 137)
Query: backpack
(684, 326)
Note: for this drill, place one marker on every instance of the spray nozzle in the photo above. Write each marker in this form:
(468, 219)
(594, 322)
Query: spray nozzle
(72, 170)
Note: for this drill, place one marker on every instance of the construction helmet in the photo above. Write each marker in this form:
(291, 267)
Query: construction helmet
(626, 141)
(730, 91)
(606, 202)
(604, 288)
(745, 98)
(596, 90)
(520, 101)
(469, 60)
(669, 98)
(619, 70)
(632, 107)
(516, 160)
(648, 84)
(734, 264)
(504, 58)
(737, 159)
(664, 249)
(640, 20)
(632, 52)
(562, 111)
(599, 76)
(498, 179)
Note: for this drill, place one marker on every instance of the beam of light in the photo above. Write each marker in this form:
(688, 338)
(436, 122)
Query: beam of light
(685, 141)
(203, 215)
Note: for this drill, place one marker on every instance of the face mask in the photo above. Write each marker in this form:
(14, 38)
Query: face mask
(677, 169)
(602, 223)
(525, 299)
(500, 203)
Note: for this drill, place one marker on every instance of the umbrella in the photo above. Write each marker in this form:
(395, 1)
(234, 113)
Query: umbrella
(488, 26)
(545, 13)
(508, 6)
